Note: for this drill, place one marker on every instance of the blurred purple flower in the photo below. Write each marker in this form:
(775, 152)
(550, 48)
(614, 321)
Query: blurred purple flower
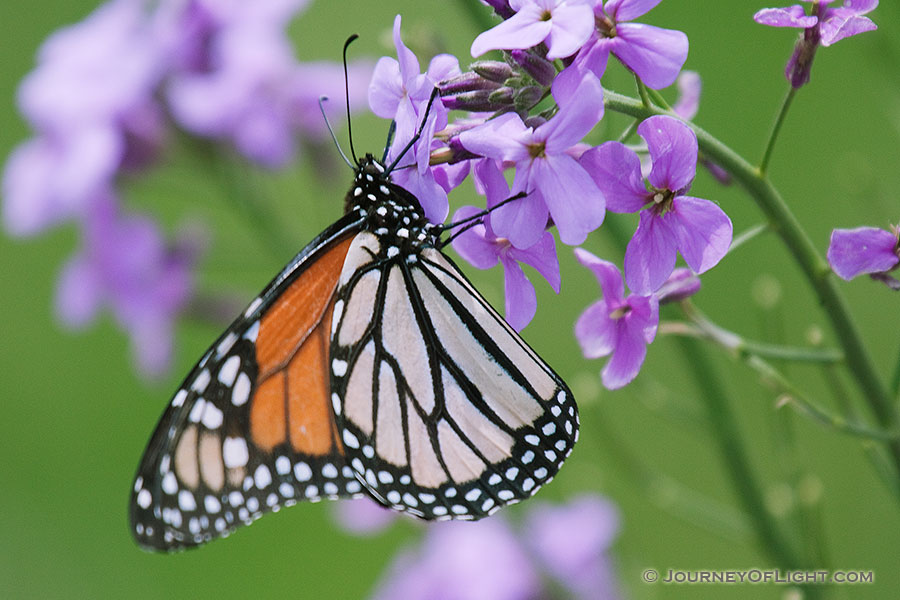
(615, 324)
(483, 249)
(125, 265)
(398, 91)
(656, 55)
(681, 284)
(363, 516)
(90, 98)
(556, 184)
(563, 25)
(248, 88)
(670, 221)
(824, 25)
(572, 542)
(689, 88)
(464, 561)
(864, 250)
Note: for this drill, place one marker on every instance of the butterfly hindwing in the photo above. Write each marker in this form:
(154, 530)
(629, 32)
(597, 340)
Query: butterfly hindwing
(251, 429)
(445, 412)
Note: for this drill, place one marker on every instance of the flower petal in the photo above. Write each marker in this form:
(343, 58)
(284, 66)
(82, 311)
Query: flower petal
(673, 150)
(616, 170)
(650, 255)
(607, 275)
(656, 55)
(409, 64)
(521, 300)
(79, 293)
(522, 30)
(704, 231)
(595, 331)
(541, 256)
(689, 88)
(473, 244)
(843, 23)
(575, 119)
(627, 10)
(522, 221)
(862, 250)
(627, 358)
(791, 16)
(573, 199)
(572, 25)
(502, 138)
(386, 88)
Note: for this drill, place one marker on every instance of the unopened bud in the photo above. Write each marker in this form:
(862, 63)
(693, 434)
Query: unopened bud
(541, 69)
(681, 284)
(466, 82)
(528, 97)
(493, 70)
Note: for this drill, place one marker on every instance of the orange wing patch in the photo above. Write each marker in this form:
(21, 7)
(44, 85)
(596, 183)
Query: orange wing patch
(292, 400)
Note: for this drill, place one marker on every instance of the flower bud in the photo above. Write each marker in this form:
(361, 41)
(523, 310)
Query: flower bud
(466, 82)
(493, 70)
(527, 97)
(541, 69)
(681, 284)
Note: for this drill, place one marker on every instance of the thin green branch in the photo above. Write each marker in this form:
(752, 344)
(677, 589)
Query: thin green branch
(776, 129)
(642, 91)
(747, 235)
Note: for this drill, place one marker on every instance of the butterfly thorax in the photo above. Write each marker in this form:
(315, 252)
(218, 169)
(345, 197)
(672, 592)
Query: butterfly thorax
(388, 209)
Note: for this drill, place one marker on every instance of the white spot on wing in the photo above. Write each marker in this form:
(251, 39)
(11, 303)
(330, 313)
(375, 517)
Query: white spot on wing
(229, 370)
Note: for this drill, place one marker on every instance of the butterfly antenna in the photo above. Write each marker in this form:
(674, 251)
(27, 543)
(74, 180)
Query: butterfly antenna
(390, 139)
(471, 221)
(349, 41)
(322, 100)
(415, 138)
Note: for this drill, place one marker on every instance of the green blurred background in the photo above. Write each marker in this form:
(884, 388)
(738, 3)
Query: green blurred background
(76, 417)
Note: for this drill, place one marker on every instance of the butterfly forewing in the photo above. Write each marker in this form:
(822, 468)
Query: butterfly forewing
(445, 411)
(252, 429)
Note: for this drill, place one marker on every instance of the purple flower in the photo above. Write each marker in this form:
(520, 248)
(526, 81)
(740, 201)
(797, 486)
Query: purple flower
(615, 324)
(398, 91)
(483, 249)
(471, 561)
(90, 98)
(564, 25)
(656, 55)
(363, 516)
(824, 25)
(572, 542)
(245, 85)
(126, 266)
(670, 221)
(689, 88)
(556, 184)
(862, 250)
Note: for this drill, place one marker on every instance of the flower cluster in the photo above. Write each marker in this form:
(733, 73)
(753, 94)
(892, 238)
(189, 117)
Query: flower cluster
(567, 545)
(104, 100)
(531, 114)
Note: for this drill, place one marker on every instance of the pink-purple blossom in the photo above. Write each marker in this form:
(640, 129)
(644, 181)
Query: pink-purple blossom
(363, 516)
(563, 25)
(573, 541)
(824, 25)
(398, 91)
(670, 221)
(616, 325)
(864, 250)
(556, 184)
(654, 54)
(481, 247)
(125, 265)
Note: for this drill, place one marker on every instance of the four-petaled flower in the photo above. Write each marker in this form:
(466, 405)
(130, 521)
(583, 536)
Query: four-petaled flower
(824, 25)
(564, 25)
(865, 250)
(483, 249)
(670, 221)
(555, 183)
(615, 324)
(654, 54)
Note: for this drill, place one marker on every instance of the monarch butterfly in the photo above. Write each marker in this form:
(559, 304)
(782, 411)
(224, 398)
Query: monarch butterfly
(368, 366)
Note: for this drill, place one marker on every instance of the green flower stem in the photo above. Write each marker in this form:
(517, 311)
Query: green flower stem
(727, 435)
(745, 236)
(776, 128)
(811, 263)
